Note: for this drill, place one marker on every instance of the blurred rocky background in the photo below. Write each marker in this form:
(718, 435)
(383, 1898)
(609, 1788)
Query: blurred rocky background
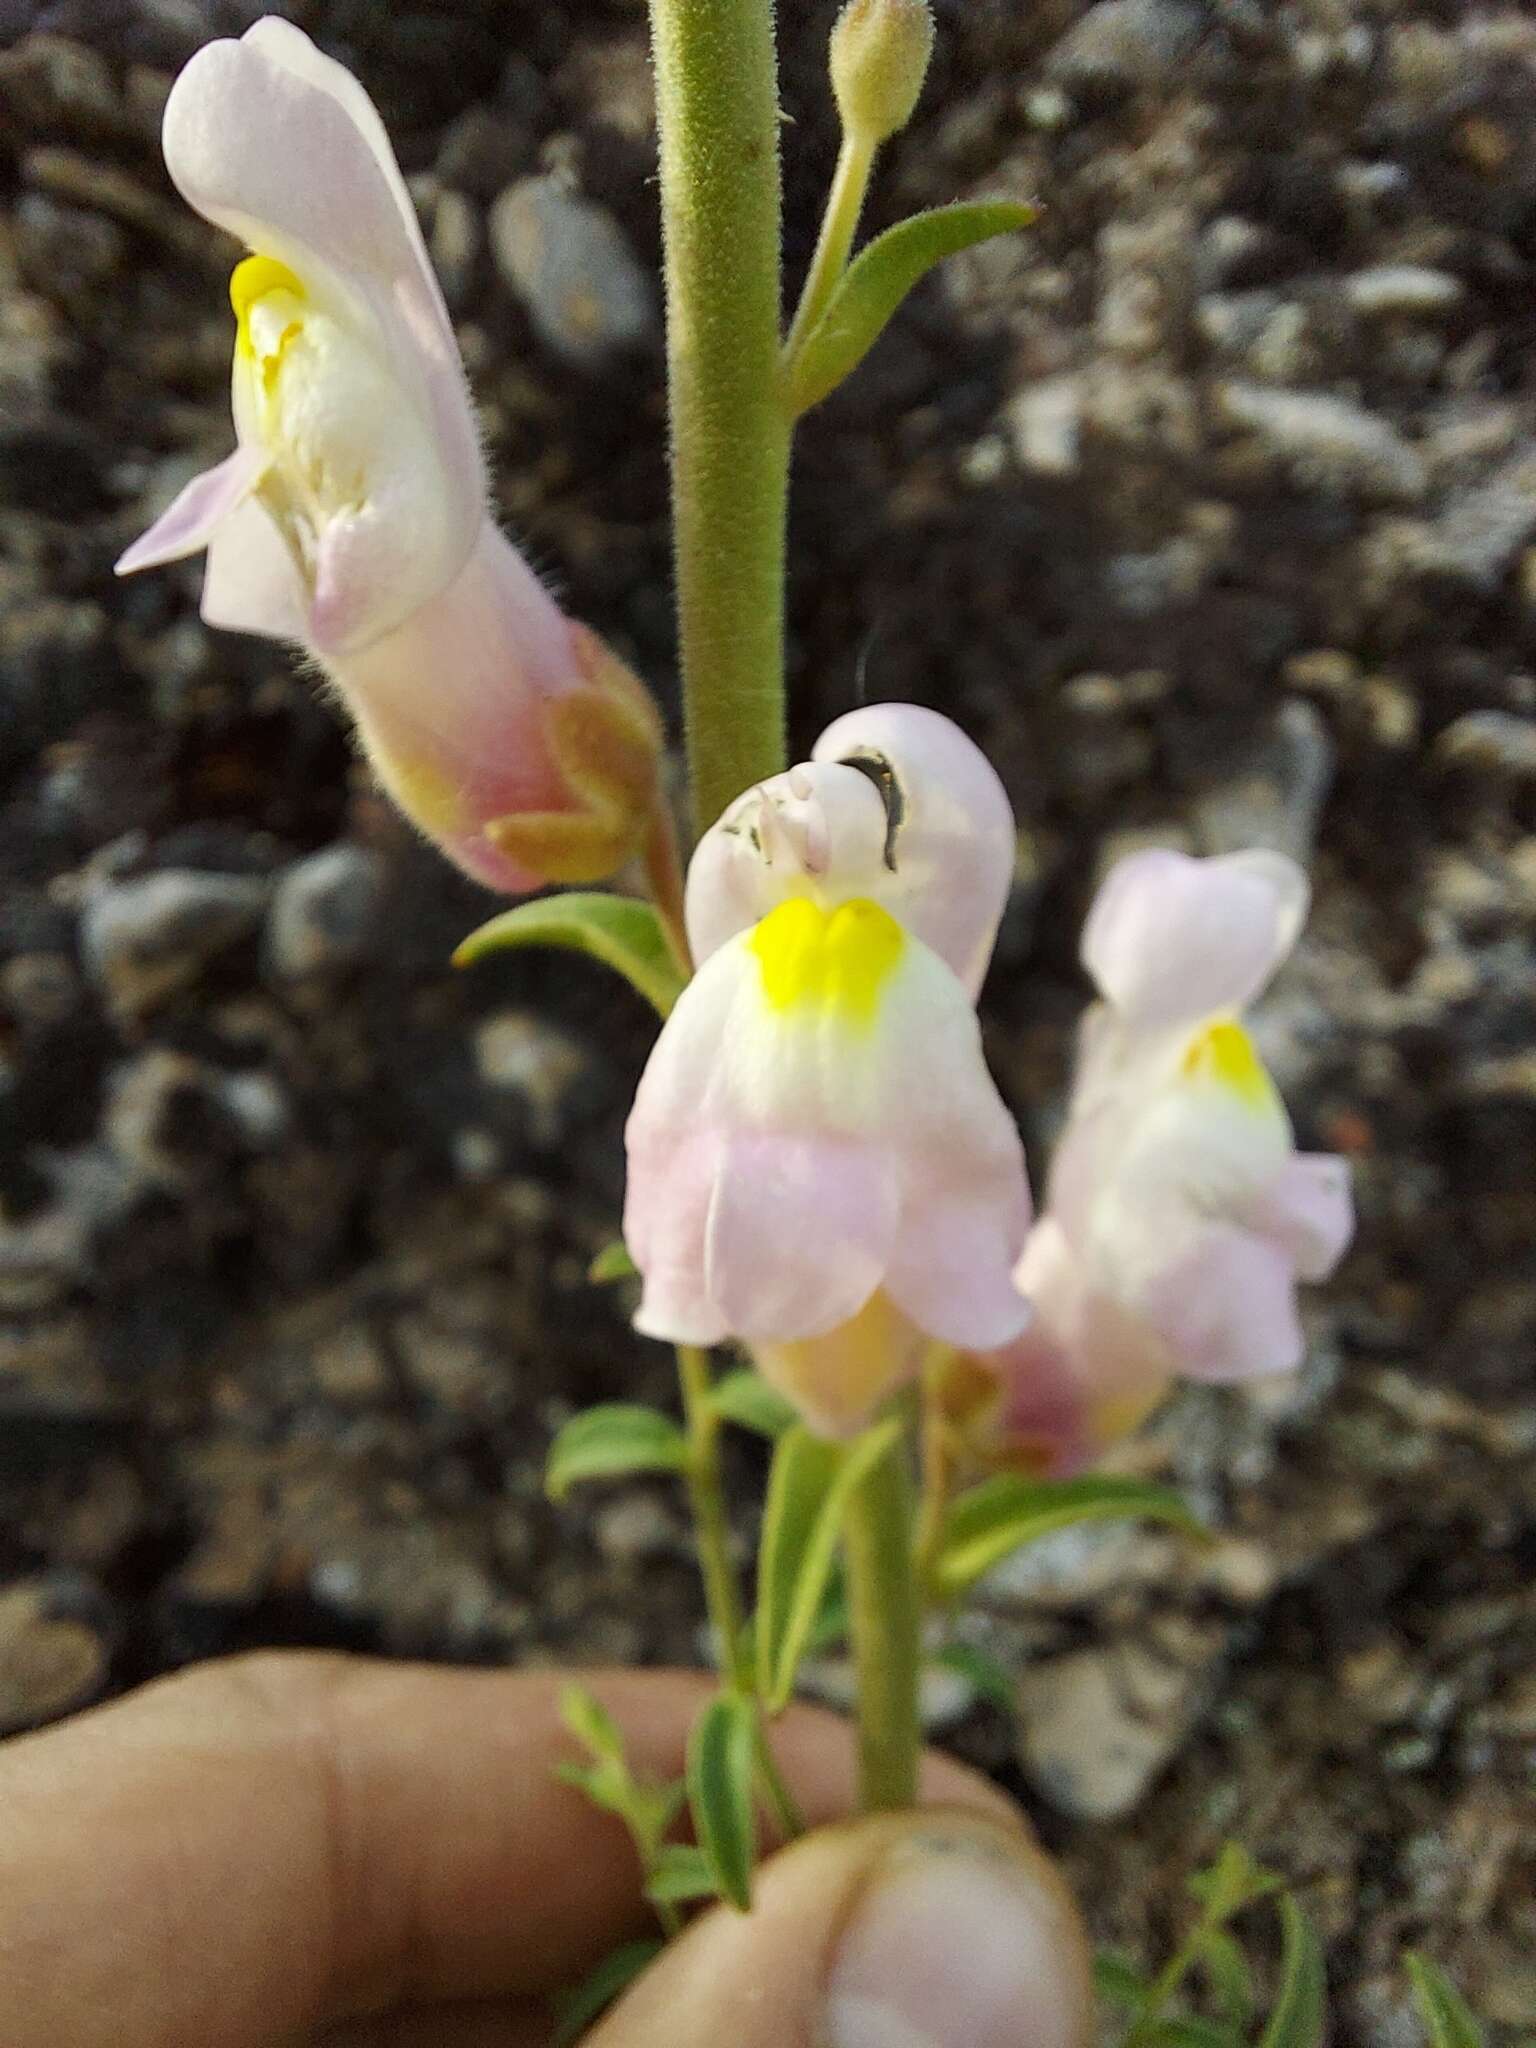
(1210, 507)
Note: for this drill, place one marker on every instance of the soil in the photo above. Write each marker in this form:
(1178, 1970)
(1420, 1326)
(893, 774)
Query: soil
(1209, 506)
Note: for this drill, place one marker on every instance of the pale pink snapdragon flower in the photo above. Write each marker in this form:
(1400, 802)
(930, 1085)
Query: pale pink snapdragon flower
(1180, 1216)
(819, 1162)
(353, 516)
(895, 804)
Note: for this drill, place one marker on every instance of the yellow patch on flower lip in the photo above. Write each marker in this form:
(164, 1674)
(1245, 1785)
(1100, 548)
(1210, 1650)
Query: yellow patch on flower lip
(837, 960)
(252, 279)
(1224, 1053)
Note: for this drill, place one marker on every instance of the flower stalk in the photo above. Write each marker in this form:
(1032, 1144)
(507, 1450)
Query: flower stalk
(712, 1529)
(839, 225)
(886, 1617)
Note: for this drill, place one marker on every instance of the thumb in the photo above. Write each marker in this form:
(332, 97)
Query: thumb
(917, 1930)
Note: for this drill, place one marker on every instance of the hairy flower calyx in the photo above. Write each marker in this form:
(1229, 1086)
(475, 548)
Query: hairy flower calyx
(879, 58)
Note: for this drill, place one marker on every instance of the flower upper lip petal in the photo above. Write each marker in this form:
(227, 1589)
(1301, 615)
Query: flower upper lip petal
(297, 168)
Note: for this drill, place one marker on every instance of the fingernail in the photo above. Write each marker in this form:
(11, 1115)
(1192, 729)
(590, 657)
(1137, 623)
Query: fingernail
(956, 1944)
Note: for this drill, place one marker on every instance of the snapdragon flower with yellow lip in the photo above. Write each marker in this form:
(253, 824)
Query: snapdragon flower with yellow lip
(1180, 1215)
(353, 515)
(819, 1162)
(896, 804)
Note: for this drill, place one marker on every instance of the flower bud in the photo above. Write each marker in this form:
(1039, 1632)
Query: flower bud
(879, 59)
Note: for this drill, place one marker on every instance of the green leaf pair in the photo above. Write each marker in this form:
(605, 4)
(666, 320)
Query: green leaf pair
(646, 1809)
(877, 281)
(1232, 1884)
(622, 1439)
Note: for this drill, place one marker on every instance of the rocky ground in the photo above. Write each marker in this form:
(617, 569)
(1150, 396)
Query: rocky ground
(1210, 507)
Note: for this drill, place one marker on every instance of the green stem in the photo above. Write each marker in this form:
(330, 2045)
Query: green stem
(839, 225)
(886, 1618)
(718, 122)
(782, 1803)
(935, 1464)
(712, 1529)
(1168, 1980)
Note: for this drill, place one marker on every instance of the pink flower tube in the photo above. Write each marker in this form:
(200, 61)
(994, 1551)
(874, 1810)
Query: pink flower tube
(1180, 1215)
(353, 516)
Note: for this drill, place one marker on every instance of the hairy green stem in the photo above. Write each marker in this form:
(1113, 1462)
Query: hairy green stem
(712, 1529)
(886, 1617)
(718, 123)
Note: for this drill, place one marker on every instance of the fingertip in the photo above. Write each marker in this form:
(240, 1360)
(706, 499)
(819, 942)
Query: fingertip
(941, 1929)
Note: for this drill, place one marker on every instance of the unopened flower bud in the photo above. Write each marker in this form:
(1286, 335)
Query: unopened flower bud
(879, 59)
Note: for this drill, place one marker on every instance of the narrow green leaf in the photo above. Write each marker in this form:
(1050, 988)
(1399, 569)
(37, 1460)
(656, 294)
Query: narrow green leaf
(998, 1517)
(612, 1263)
(808, 1490)
(576, 2009)
(875, 284)
(1189, 2033)
(1450, 2020)
(609, 1442)
(607, 1785)
(1118, 1982)
(1231, 1979)
(982, 1673)
(722, 1759)
(618, 930)
(747, 1399)
(829, 1631)
(680, 1874)
(1301, 2002)
(591, 1723)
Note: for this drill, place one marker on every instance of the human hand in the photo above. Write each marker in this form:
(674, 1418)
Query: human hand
(291, 1848)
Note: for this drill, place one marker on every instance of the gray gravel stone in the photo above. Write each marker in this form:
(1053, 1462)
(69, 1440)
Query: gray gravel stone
(1276, 798)
(1126, 42)
(1403, 289)
(325, 913)
(568, 261)
(145, 939)
(50, 1662)
(1326, 443)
